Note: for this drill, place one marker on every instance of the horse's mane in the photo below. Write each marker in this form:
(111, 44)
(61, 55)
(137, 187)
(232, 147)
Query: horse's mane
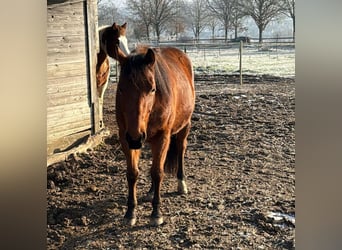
(101, 30)
(135, 64)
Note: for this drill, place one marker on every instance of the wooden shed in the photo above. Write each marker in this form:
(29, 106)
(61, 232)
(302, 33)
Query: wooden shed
(72, 44)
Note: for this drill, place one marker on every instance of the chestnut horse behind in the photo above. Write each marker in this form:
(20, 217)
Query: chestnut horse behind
(154, 103)
(110, 38)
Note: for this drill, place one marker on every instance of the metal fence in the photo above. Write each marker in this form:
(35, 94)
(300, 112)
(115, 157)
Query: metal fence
(191, 44)
(207, 54)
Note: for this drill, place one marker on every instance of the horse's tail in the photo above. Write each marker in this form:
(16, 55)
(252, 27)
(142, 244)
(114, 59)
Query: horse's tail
(171, 162)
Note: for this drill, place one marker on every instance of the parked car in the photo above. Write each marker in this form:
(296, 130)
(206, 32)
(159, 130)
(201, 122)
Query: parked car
(245, 39)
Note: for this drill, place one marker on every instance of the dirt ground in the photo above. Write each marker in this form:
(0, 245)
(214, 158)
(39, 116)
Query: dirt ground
(240, 167)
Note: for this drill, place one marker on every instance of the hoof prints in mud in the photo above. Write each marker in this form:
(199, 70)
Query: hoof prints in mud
(240, 167)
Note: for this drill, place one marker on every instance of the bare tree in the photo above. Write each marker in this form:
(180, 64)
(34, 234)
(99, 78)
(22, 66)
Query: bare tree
(162, 11)
(197, 16)
(262, 12)
(141, 14)
(212, 24)
(288, 8)
(108, 13)
(222, 9)
(236, 17)
(153, 13)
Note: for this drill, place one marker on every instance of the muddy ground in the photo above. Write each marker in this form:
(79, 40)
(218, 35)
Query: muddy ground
(240, 167)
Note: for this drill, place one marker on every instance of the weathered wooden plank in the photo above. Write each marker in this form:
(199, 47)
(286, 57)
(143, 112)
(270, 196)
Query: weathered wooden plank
(68, 116)
(74, 90)
(66, 57)
(70, 10)
(68, 128)
(56, 135)
(59, 58)
(70, 125)
(71, 14)
(92, 35)
(57, 70)
(70, 32)
(70, 97)
(56, 125)
(68, 110)
(64, 39)
(66, 48)
(73, 126)
(64, 22)
(64, 90)
(66, 83)
(52, 3)
(66, 29)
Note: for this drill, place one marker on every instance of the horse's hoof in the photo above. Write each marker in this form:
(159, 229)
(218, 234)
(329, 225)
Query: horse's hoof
(156, 221)
(182, 188)
(130, 221)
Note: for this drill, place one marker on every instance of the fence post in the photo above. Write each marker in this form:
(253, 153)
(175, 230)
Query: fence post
(240, 66)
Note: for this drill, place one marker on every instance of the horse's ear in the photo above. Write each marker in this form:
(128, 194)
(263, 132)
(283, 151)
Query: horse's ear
(150, 57)
(115, 26)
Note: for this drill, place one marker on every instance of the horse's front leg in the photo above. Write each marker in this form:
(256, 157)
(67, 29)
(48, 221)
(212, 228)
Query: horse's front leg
(132, 158)
(159, 151)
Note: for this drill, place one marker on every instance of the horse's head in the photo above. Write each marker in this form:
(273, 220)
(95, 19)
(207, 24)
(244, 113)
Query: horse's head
(136, 95)
(113, 37)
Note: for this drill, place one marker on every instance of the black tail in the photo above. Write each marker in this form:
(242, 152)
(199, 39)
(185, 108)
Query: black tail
(171, 162)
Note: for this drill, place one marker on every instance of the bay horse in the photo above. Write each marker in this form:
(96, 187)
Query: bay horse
(110, 37)
(155, 100)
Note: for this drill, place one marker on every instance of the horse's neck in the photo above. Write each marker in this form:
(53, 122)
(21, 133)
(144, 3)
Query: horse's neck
(101, 56)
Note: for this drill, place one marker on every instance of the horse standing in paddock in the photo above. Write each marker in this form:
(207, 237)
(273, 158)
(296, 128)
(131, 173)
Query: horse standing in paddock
(154, 102)
(110, 37)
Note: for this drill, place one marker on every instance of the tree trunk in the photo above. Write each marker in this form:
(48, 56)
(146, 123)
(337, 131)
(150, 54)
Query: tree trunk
(260, 34)
(157, 33)
(147, 32)
(213, 32)
(294, 28)
(225, 34)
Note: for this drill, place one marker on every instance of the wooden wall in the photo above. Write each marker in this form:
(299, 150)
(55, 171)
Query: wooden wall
(72, 44)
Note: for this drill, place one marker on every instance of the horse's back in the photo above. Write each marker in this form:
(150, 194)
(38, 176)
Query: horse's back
(181, 81)
(179, 65)
(179, 60)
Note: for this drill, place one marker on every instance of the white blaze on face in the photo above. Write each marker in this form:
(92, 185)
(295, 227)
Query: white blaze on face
(124, 45)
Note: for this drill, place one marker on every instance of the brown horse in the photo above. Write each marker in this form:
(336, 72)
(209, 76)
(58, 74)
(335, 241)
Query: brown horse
(110, 37)
(154, 103)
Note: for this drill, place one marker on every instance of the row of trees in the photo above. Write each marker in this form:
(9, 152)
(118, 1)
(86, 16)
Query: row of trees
(174, 16)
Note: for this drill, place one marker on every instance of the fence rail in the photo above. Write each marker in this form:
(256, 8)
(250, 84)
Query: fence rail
(275, 56)
(220, 43)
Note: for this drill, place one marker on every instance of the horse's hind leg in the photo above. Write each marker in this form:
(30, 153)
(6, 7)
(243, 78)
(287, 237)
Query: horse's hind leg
(181, 147)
